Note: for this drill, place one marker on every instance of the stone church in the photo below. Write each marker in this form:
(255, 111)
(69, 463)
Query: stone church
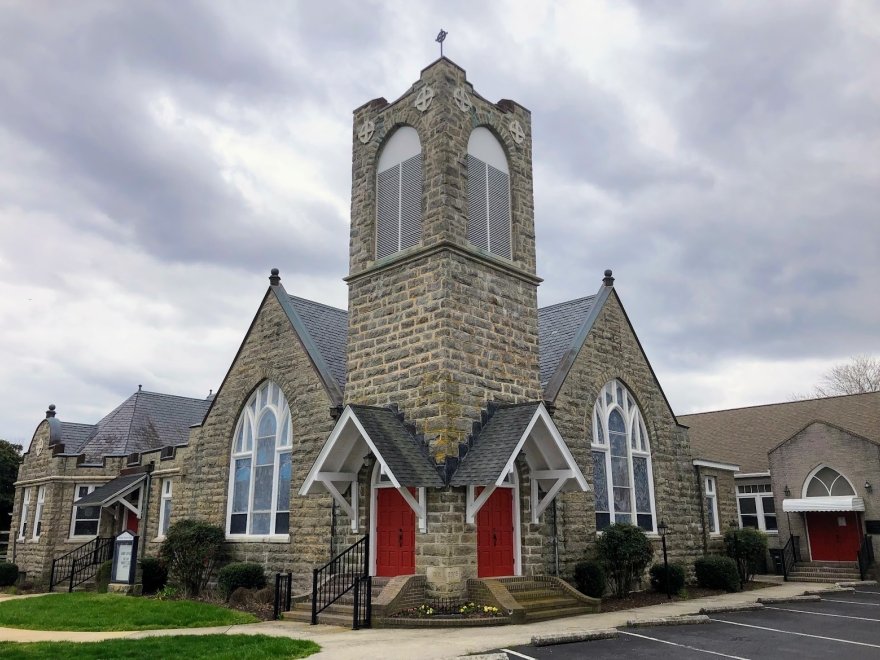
(468, 432)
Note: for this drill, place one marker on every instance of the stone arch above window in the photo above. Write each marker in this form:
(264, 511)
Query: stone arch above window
(399, 193)
(622, 474)
(826, 482)
(260, 467)
(488, 194)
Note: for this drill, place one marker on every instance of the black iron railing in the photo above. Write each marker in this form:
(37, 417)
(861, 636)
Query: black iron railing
(348, 571)
(865, 555)
(81, 564)
(791, 554)
(283, 588)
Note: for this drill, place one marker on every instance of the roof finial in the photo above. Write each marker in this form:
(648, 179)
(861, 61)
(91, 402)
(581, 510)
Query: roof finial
(274, 277)
(608, 280)
(441, 37)
(51, 411)
(139, 387)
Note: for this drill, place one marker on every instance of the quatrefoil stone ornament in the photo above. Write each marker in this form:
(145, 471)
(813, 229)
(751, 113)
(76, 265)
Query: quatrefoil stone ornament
(516, 130)
(462, 99)
(424, 98)
(365, 132)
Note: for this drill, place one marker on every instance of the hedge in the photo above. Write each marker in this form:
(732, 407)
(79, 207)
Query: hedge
(658, 578)
(240, 574)
(715, 572)
(589, 578)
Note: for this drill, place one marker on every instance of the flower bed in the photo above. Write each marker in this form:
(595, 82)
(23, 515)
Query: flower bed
(451, 609)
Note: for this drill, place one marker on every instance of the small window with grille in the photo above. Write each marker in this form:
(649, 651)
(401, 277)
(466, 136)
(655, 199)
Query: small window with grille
(399, 193)
(488, 194)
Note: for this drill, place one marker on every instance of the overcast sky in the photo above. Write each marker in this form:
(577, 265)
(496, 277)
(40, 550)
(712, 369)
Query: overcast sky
(158, 158)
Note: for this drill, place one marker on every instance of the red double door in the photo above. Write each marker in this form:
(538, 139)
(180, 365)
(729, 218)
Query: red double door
(395, 534)
(834, 536)
(495, 535)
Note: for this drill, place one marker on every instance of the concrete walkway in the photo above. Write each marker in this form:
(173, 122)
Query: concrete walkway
(428, 643)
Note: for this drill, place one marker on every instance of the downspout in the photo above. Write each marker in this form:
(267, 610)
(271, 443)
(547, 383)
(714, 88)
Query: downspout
(146, 513)
(555, 541)
(702, 502)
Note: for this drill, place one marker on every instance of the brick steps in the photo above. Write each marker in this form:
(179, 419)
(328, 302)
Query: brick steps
(543, 599)
(825, 572)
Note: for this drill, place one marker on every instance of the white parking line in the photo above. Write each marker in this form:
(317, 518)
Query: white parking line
(836, 616)
(684, 646)
(850, 602)
(519, 655)
(799, 634)
(870, 593)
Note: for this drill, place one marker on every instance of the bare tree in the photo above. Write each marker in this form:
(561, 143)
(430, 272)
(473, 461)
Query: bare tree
(861, 374)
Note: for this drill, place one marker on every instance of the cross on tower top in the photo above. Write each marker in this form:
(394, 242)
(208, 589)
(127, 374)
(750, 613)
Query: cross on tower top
(441, 37)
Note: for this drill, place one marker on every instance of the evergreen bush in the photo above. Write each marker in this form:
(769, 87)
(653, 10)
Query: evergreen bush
(625, 552)
(716, 572)
(589, 578)
(190, 550)
(659, 576)
(8, 574)
(154, 574)
(240, 574)
(747, 547)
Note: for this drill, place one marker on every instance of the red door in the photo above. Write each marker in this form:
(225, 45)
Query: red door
(834, 536)
(131, 522)
(495, 534)
(395, 534)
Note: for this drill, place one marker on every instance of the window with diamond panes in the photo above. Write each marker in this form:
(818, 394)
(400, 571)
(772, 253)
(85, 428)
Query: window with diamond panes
(622, 479)
(488, 194)
(399, 193)
(259, 483)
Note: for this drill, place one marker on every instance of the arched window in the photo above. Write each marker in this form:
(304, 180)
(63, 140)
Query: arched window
(259, 475)
(399, 193)
(488, 194)
(827, 482)
(622, 476)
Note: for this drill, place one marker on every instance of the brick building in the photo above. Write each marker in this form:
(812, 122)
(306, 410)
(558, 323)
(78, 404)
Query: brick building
(468, 432)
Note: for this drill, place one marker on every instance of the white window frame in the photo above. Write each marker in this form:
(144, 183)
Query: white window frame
(251, 414)
(710, 487)
(38, 512)
(486, 148)
(165, 516)
(25, 512)
(76, 498)
(404, 144)
(756, 492)
(636, 434)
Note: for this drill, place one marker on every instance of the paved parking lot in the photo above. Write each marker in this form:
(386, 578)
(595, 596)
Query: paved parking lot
(841, 625)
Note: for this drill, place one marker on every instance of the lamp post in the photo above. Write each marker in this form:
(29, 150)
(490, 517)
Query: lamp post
(662, 529)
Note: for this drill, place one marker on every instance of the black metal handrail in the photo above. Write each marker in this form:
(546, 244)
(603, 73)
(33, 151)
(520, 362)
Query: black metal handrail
(791, 554)
(283, 593)
(81, 564)
(865, 555)
(348, 571)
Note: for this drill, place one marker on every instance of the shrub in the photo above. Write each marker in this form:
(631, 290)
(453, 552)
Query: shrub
(589, 578)
(154, 574)
(240, 574)
(8, 574)
(241, 597)
(625, 551)
(747, 547)
(102, 578)
(190, 550)
(168, 593)
(716, 572)
(659, 576)
(266, 595)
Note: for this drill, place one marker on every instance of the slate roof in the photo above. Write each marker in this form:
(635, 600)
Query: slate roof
(406, 457)
(328, 327)
(111, 489)
(143, 422)
(745, 435)
(493, 446)
(557, 326)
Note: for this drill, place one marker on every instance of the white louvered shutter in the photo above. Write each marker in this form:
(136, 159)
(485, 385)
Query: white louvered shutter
(498, 195)
(477, 227)
(410, 202)
(387, 212)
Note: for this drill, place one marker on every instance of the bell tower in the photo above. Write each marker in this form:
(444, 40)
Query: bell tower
(442, 283)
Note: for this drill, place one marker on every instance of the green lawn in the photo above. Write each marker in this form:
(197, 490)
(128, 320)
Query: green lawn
(194, 647)
(98, 612)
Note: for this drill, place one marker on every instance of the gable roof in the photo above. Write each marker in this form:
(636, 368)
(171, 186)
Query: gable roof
(143, 422)
(745, 435)
(557, 326)
(328, 327)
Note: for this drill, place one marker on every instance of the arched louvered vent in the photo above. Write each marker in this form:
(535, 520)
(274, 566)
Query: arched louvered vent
(399, 193)
(488, 194)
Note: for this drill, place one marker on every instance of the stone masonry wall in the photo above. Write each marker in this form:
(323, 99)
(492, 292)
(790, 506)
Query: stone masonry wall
(271, 351)
(855, 458)
(727, 511)
(611, 351)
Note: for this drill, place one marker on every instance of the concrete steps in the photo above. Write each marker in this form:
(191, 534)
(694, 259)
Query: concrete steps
(340, 613)
(825, 571)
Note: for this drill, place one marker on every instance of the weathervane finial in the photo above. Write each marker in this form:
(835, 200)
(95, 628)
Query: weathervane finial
(441, 36)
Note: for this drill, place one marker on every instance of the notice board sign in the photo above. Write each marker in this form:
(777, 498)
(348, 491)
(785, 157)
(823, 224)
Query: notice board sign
(124, 559)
